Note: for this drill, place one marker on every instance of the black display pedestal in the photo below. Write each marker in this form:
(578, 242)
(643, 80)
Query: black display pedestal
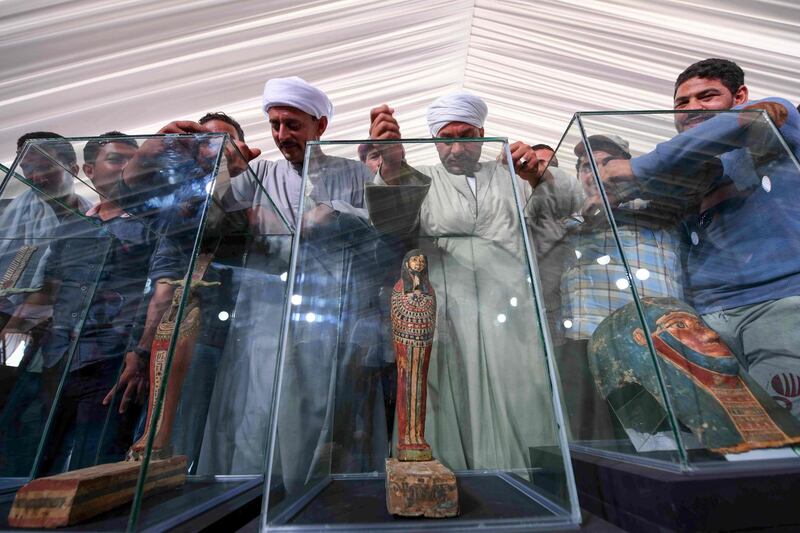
(728, 497)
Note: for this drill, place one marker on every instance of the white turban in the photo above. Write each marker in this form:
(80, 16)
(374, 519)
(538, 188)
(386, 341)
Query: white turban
(460, 106)
(298, 93)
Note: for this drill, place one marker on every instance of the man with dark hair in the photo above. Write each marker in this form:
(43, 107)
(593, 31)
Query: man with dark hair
(595, 283)
(726, 72)
(592, 290)
(547, 156)
(194, 372)
(50, 165)
(106, 156)
(743, 247)
(63, 151)
(33, 216)
(91, 149)
(370, 155)
(711, 84)
(227, 119)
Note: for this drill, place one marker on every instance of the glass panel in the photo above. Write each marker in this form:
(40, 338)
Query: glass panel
(51, 258)
(585, 279)
(93, 261)
(347, 378)
(706, 224)
(214, 347)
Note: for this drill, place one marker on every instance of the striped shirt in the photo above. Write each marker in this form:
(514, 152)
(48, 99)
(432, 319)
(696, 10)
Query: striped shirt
(597, 284)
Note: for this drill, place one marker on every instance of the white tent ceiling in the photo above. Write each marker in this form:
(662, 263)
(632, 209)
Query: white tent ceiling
(87, 66)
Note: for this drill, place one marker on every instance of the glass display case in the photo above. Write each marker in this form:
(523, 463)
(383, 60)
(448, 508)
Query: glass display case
(142, 291)
(351, 390)
(667, 245)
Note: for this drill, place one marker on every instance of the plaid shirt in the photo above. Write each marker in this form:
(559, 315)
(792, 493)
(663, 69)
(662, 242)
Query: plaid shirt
(597, 284)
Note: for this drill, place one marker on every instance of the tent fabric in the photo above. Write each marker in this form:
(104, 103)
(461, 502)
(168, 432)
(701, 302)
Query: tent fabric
(83, 67)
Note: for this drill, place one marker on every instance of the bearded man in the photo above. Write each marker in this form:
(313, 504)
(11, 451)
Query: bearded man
(485, 363)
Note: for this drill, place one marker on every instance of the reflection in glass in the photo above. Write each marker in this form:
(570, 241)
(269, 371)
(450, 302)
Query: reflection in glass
(138, 265)
(688, 223)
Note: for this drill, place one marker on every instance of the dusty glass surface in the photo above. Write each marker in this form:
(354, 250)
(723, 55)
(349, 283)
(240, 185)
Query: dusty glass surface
(491, 415)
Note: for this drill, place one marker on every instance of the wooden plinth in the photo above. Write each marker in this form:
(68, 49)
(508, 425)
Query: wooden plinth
(420, 488)
(72, 497)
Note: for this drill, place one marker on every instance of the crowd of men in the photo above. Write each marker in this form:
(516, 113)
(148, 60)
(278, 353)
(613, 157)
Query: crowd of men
(689, 219)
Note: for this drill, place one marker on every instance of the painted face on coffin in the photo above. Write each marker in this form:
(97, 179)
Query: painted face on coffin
(681, 335)
(416, 263)
(692, 332)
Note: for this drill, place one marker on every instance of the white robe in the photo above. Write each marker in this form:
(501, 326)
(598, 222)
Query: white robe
(489, 397)
(236, 434)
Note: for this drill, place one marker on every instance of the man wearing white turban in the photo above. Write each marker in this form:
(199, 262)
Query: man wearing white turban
(328, 375)
(331, 414)
(456, 107)
(488, 390)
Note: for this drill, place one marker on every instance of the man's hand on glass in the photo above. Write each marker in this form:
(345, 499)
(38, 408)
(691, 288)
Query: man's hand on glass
(383, 126)
(776, 111)
(525, 161)
(616, 172)
(615, 175)
(593, 209)
(238, 159)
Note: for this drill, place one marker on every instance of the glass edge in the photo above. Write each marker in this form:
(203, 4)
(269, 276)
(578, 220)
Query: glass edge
(158, 402)
(671, 416)
(127, 136)
(663, 112)
(431, 140)
(269, 456)
(544, 335)
(19, 177)
(253, 176)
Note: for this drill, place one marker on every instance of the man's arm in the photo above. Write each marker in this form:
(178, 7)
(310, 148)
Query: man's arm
(384, 127)
(134, 376)
(394, 170)
(526, 163)
(146, 161)
(688, 152)
(34, 309)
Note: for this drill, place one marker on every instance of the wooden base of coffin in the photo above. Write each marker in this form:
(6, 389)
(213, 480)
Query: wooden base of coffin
(420, 488)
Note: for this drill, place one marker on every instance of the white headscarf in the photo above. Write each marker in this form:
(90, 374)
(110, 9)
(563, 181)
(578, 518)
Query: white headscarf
(296, 92)
(461, 106)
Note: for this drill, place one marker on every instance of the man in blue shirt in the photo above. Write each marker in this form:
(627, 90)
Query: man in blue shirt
(743, 231)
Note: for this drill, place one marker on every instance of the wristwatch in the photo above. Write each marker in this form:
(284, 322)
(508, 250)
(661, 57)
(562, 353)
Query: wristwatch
(141, 352)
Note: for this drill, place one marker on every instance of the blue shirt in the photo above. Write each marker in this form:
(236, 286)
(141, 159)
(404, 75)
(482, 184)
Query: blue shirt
(174, 251)
(746, 248)
(102, 271)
